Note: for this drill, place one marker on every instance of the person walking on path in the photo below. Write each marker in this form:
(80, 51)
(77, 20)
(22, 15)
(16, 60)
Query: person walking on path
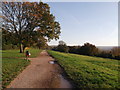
(27, 54)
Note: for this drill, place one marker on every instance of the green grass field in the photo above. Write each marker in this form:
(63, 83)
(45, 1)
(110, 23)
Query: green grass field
(15, 53)
(89, 72)
(13, 63)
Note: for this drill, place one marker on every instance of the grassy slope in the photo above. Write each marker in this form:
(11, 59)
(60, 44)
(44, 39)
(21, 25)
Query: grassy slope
(12, 64)
(90, 72)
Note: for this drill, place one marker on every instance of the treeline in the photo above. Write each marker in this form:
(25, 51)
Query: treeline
(88, 49)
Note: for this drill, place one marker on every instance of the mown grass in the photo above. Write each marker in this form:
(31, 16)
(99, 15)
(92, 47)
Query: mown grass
(89, 72)
(13, 63)
(16, 54)
(11, 68)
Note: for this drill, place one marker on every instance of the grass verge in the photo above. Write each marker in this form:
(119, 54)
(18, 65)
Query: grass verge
(89, 72)
(11, 68)
(13, 63)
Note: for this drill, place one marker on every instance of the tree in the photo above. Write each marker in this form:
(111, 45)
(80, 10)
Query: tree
(8, 39)
(22, 19)
(42, 43)
(62, 47)
(62, 43)
(88, 49)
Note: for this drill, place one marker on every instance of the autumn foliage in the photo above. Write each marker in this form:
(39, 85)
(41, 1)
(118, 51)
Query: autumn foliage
(31, 23)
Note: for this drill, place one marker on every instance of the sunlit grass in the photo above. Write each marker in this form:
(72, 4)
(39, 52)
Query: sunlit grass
(16, 54)
(89, 72)
(13, 63)
(11, 68)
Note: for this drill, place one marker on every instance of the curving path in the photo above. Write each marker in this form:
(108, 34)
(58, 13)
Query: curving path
(40, 74)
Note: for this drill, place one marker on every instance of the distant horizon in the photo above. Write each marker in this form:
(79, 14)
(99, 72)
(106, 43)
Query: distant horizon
(99, 47)
(83, 44)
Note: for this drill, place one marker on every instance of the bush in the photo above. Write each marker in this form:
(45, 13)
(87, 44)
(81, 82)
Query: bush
(105, 54)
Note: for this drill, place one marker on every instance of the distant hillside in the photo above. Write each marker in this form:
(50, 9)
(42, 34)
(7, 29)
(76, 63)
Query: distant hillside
(105, 47)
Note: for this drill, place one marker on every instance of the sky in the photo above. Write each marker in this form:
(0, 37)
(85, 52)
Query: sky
(81, 22)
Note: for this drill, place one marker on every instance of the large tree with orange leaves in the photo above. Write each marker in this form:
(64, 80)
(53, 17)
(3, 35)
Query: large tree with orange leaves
(30, 22)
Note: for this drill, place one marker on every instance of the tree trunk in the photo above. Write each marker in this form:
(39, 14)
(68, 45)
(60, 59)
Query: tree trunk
(21, 48)
(24, 48)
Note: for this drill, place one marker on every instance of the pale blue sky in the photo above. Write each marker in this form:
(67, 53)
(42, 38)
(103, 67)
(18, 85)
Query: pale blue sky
(81, 22)
(93, 22)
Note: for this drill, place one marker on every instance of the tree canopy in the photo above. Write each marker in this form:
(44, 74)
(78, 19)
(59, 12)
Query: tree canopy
(62, 47)
(88, 49)
(29, 22)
